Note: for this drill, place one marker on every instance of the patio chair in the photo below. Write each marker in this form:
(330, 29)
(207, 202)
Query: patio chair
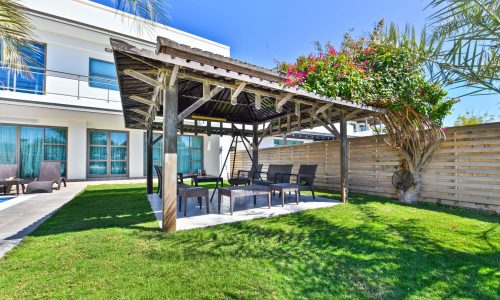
(7, 172)
(246, 177)
(39, 187)
(159, 175)
(305, 178)
(51, 171)
(274, 174)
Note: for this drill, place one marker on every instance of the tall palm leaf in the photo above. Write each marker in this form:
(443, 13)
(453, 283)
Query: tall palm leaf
(16, 31)
(466, 35)
(15, 34)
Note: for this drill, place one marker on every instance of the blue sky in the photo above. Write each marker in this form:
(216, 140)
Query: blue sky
(262, 32)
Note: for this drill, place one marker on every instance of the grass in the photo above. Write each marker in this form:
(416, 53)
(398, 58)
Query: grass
(106, 244)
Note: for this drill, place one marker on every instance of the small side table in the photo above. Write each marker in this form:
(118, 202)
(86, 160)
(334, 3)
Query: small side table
(7, 185)
(283, 188)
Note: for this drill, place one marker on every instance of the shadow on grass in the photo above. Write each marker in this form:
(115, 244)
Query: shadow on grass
(318, 256)
(100, 207)
(355, 250)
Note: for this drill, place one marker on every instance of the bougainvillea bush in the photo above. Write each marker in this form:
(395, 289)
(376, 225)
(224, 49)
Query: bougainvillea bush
(387, 72)
(371, 71)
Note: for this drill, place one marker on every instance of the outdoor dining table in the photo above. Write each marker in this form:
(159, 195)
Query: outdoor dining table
(208, 178)
(242, 191)
(196, 179)
(10, 182)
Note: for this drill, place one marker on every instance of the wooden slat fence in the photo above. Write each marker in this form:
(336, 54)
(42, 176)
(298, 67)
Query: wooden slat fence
(465, 171)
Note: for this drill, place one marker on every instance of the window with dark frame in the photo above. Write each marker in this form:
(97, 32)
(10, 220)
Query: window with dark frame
(102, 74)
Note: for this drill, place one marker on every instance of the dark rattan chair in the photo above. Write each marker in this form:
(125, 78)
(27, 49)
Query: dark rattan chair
(305, 178)
(274, 174)
(245, 177)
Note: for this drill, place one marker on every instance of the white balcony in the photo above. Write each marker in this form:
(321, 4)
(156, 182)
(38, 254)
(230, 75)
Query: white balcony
(60, 88)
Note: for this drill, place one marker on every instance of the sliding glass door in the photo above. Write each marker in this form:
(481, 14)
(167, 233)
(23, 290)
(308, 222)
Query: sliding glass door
(28, 146)
(107, 153)
(189, 153)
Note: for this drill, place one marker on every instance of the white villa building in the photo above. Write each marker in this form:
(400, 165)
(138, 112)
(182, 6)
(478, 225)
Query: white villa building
(70, 110)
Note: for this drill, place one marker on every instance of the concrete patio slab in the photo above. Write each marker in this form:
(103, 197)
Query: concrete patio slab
(244, 210)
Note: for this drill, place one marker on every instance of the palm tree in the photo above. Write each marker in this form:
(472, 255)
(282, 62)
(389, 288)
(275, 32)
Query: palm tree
(463, 47)
(16, 31)
(466, 34)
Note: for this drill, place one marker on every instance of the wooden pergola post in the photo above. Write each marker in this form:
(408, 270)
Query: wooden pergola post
(149, 161)
(170, 103)
(255, 142)
(344, 158)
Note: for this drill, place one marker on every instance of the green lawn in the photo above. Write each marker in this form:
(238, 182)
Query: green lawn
(106, 244)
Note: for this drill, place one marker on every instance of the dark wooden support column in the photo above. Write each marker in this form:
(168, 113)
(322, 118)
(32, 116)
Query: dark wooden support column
(344, 159)
(255, 144)
(149, 161)
(170, 102)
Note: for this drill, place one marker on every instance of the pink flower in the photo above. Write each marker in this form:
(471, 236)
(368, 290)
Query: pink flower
(341, 74)
(332, 50)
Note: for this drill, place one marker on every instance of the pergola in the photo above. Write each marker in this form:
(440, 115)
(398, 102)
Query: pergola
(182, 89)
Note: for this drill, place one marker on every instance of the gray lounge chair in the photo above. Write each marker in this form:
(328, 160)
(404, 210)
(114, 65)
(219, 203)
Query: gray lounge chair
(274, 174)
(50, 171)
(39, 187)
(246, 177)
(6, 172)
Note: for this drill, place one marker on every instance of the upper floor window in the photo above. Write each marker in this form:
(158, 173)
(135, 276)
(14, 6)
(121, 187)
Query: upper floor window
(33, 82)
(102, 74)
(362, 127)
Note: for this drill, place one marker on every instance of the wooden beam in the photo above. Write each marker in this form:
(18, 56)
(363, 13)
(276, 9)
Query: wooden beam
(237, 92)
(141, 112)
(280, 103)
(297, 109)
(353, 114)
(173, 76)
(258, 101)
(185, 113)
(141, 100)
(264, 133)
(344, 159)
(143, 78)
(288, 124)
(169, 187)
(330, 128)
(324, 108)
(145, 122)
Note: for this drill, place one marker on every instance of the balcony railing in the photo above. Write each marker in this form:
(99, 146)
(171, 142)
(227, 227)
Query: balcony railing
(57, 83)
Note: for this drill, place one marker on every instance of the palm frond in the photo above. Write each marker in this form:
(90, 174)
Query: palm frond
(15, 35)
(147, 12)
(469, 55)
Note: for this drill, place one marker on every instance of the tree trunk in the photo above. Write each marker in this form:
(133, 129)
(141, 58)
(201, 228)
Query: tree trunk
(410, 195)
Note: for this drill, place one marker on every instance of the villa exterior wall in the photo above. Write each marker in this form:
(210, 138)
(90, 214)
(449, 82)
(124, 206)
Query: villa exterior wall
(73, 32)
